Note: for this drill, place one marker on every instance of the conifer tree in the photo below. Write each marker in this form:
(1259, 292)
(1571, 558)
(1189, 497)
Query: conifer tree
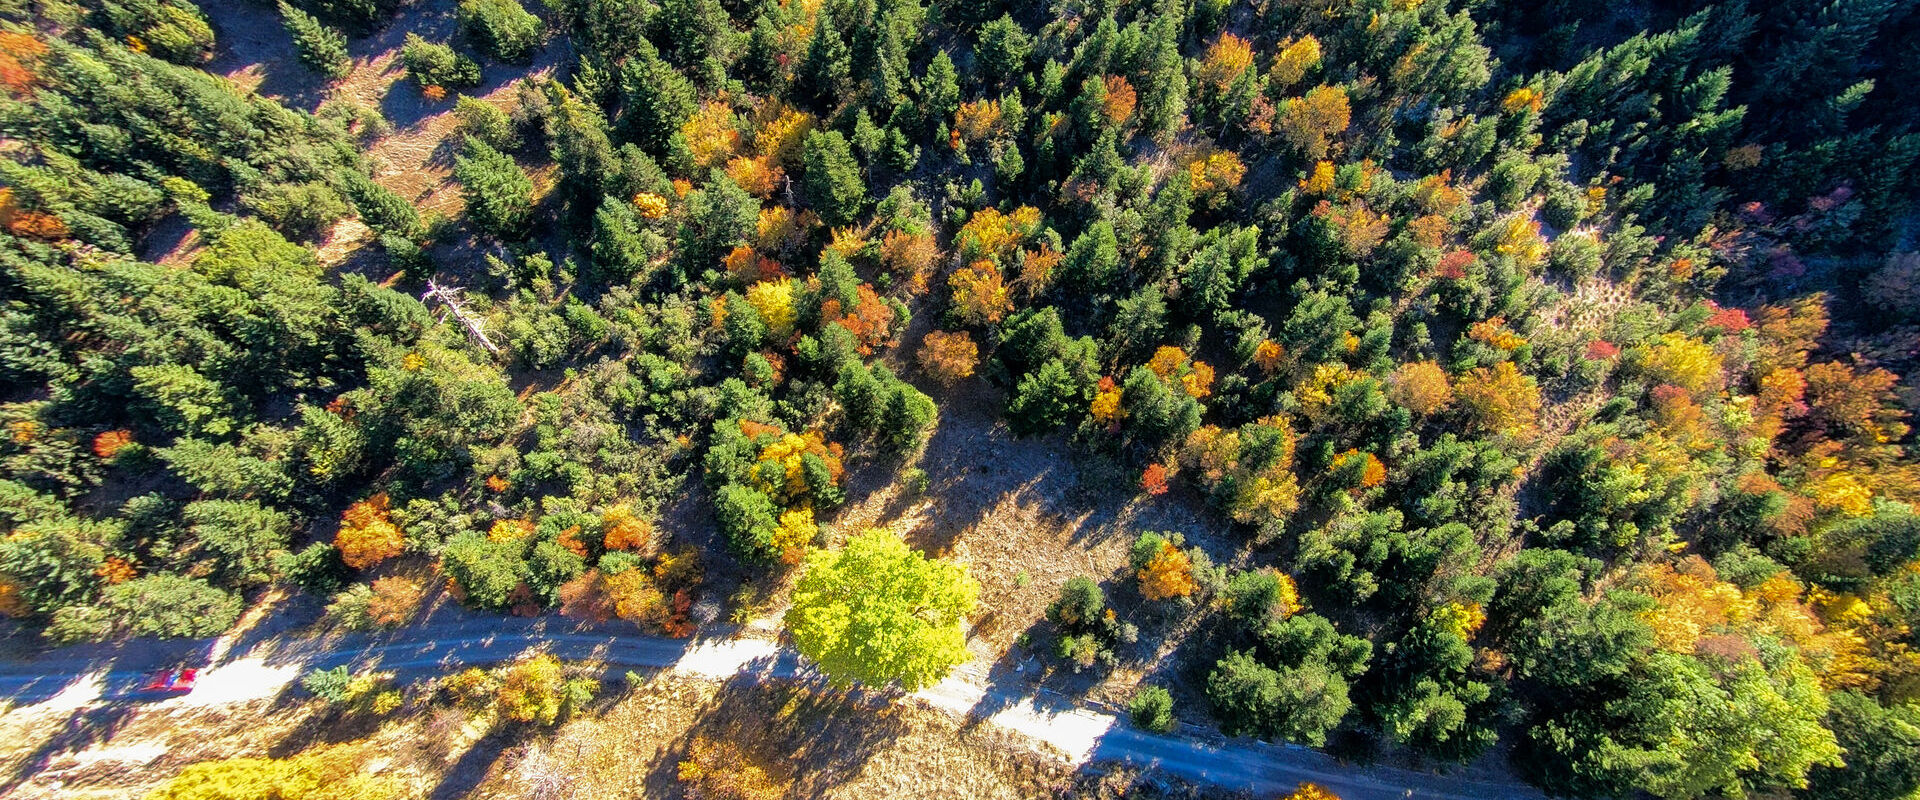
(503, 28)
(657, 100)
(833, 181)
(322, 49)
(437, 65)
(499, 195)
(826, 70)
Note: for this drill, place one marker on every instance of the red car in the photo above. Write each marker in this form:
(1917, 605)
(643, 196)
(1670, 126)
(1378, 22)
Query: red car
(171, 680)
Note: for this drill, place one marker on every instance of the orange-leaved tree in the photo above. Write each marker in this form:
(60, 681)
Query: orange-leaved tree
(367, 534)
(948, 356)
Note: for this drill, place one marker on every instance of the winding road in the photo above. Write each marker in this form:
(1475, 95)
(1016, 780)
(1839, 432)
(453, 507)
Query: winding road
(265, 665)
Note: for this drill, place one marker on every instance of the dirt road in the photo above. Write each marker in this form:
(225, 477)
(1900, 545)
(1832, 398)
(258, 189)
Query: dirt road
(67, 679)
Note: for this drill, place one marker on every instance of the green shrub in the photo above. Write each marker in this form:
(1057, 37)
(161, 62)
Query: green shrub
(503, 28)
(1152, 709)
(437, 65)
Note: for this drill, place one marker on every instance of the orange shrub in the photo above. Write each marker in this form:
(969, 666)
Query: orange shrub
(1121, 99)
(394, 601)
(948, 356)
(367, 534)
(980, 293)
(1169, 574)
(627, 531)
(109, 444)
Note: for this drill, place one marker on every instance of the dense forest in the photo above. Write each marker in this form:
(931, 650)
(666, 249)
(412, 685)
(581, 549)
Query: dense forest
(1548, 363)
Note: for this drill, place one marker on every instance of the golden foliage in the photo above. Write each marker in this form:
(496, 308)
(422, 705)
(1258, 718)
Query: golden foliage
(870, 320)
(756, 174)
(1173, 364)
(510, 530)
(1036, 269)
(948, 356)
(1121, 99)
(12, 603)
(650, 205)
(1499, 398)
(114, 570)
(1311, 791)
(367, 534)
(1361, 228)
(324, 773)
(1312, 122)
(795, 534)
(1420, 387)
(1858, 404)
(20, 54)
(1262, 484)
(783, 138)
(1525, 98)
(1698, 611)
(712, 771)
(530, 690)
(109, 443)
(992, 235)
(1105, 407)
(980, 293)
(790, 450)
(1268, 356)
(394, 601)
(976, 120)
(1167, 575)
(1683, 361)
(1494, 333)
(1520, 239)
(913, 255)
(849, 243)
(1218, 173)
(712, 133)
(636, 597)
(1293, 62)
(28, 223)
(1320, 181)
(1224, 62)
(625, 530)
(774, 301)
(1463, 619)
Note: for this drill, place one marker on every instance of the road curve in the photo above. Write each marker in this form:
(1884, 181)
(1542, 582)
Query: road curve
(262, 669)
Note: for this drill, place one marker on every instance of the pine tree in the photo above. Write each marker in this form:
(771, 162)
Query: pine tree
(322, 49)
(1163, 100)
(833, 182)
(826, 70)
(499, 195)
(694, 28)
(503, 28)
(1002, 50)
(588, 165)
(719, 216)
(940, 89)
(657, 100)
(619, 246)
(437, 65)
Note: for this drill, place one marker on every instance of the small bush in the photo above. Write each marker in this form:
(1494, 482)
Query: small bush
(437, 65)
(1152, 709)
(503, 28)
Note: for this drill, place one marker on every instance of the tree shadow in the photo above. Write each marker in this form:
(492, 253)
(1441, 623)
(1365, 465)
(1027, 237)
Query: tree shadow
(780, 725)
(253, 41)
(85, 727)
(473, 766)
